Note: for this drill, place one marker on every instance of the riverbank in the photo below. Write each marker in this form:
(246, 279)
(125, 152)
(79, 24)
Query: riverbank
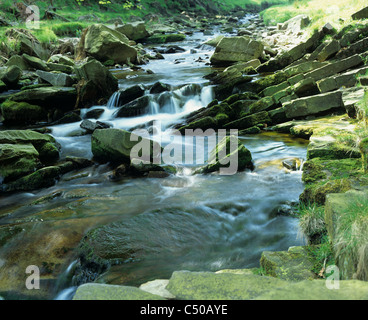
(310, 87)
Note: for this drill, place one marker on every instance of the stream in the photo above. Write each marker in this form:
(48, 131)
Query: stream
(182, 222)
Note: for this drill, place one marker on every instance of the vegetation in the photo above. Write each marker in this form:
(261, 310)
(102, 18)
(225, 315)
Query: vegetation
(338, 13)
(351, 237)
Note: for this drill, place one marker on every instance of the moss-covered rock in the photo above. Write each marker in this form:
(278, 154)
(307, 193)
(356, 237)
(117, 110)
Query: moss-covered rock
(250, 121)
(17, 161)
(317, 290)
(99, 291)
(104, 43)
(42, 178)
(220, 286)
(116, 145)
(235, 49)
(291, 265)
(229, 150)
(22, 113)
(165, 38)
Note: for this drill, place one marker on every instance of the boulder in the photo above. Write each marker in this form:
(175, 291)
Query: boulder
(317, 290)
(11, 76)
(314, 105)
(45, 145)
(236, 49)
(105, 44)
(291, 265)
(329, 50)
(56, 79)
(17, 161)
(296, 24)
(99, 291)
(186, 285)
(91, 126)
(361, 14)
(93, 71)
(35, 62)
(229, 148)
(134, 108)
(134, 31)
(26, 42)
(250, 121)
(42, 178)
(61, 59)
(116, 145)
(18, 61)
(165, 38)
(21, 113)
(48, 97)
(128, 95)
(157, 287)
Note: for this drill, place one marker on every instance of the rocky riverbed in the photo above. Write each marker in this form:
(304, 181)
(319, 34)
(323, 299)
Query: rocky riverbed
(73, 204)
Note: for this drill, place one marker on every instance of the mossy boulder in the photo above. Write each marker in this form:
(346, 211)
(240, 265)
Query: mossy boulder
(11, 76)
(17, 161)
(24, 151)
(291, 265)
(116, 145)
(317, 290)
(250, 121)
(104, 44)
(235, 49)
(99, 291)
(165, 38)
(63, 98)
(42, 178)
(229, 150)
(98, 78)
(22, 113)
(186, 285)
(134, 31)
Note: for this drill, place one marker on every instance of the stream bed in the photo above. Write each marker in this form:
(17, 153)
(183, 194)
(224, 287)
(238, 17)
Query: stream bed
(182, 222)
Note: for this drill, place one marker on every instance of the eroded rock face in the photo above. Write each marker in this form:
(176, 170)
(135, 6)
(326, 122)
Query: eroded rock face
(236, 49)
(106, 44)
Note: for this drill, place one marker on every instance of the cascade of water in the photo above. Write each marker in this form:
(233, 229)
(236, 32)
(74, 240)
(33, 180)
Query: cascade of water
(113, 101)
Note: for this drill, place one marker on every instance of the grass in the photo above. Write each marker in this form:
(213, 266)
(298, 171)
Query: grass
(336, 12)
(322, 256)
(312, 221)
(351, 237)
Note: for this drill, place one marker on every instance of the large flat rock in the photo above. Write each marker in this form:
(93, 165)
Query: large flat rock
(221, 286)
(94, 291)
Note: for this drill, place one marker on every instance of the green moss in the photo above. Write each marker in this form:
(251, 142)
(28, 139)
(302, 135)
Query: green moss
(165, 38)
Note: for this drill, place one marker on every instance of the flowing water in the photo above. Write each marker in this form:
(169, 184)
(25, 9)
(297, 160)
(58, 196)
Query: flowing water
(183, 222)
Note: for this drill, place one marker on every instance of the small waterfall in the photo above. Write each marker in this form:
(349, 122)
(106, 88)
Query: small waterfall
(187, 98)
(113, 101)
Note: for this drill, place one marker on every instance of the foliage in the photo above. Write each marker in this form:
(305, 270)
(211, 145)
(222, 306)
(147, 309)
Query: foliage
(311, 221)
